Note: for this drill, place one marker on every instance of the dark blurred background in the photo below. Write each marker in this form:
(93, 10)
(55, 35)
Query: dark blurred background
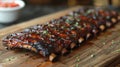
(37, 8)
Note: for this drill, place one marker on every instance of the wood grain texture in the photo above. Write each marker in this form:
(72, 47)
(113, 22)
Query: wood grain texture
(101, 51)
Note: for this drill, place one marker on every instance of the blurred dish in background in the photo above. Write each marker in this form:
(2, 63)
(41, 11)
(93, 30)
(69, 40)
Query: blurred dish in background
(9, 10)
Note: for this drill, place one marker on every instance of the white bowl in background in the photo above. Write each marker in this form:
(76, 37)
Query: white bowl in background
(8, 15)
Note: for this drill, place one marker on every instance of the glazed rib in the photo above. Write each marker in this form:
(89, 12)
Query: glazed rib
(61, 35)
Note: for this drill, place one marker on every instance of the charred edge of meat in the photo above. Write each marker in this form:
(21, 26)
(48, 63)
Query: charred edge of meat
(72, 45)
(108, 24)
(114, 20)
(88, 36)
(65, 51)
(102, 27)
(118, 17)
(29, 48)
(81, 39)
(53, 57)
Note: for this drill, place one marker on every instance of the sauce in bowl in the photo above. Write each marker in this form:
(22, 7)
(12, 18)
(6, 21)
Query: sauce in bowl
(8, 4)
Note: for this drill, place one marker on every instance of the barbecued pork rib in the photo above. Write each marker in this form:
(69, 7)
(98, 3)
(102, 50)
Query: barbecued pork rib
(59, 36)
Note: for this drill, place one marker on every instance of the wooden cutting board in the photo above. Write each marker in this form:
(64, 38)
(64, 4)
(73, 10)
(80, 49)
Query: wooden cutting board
(101, 51)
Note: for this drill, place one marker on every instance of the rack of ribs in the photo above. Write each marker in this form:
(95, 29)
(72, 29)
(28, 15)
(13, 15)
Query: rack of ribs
(59, 36)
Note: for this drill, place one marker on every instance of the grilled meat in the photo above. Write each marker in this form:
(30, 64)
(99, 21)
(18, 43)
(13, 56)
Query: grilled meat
(59, 36)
